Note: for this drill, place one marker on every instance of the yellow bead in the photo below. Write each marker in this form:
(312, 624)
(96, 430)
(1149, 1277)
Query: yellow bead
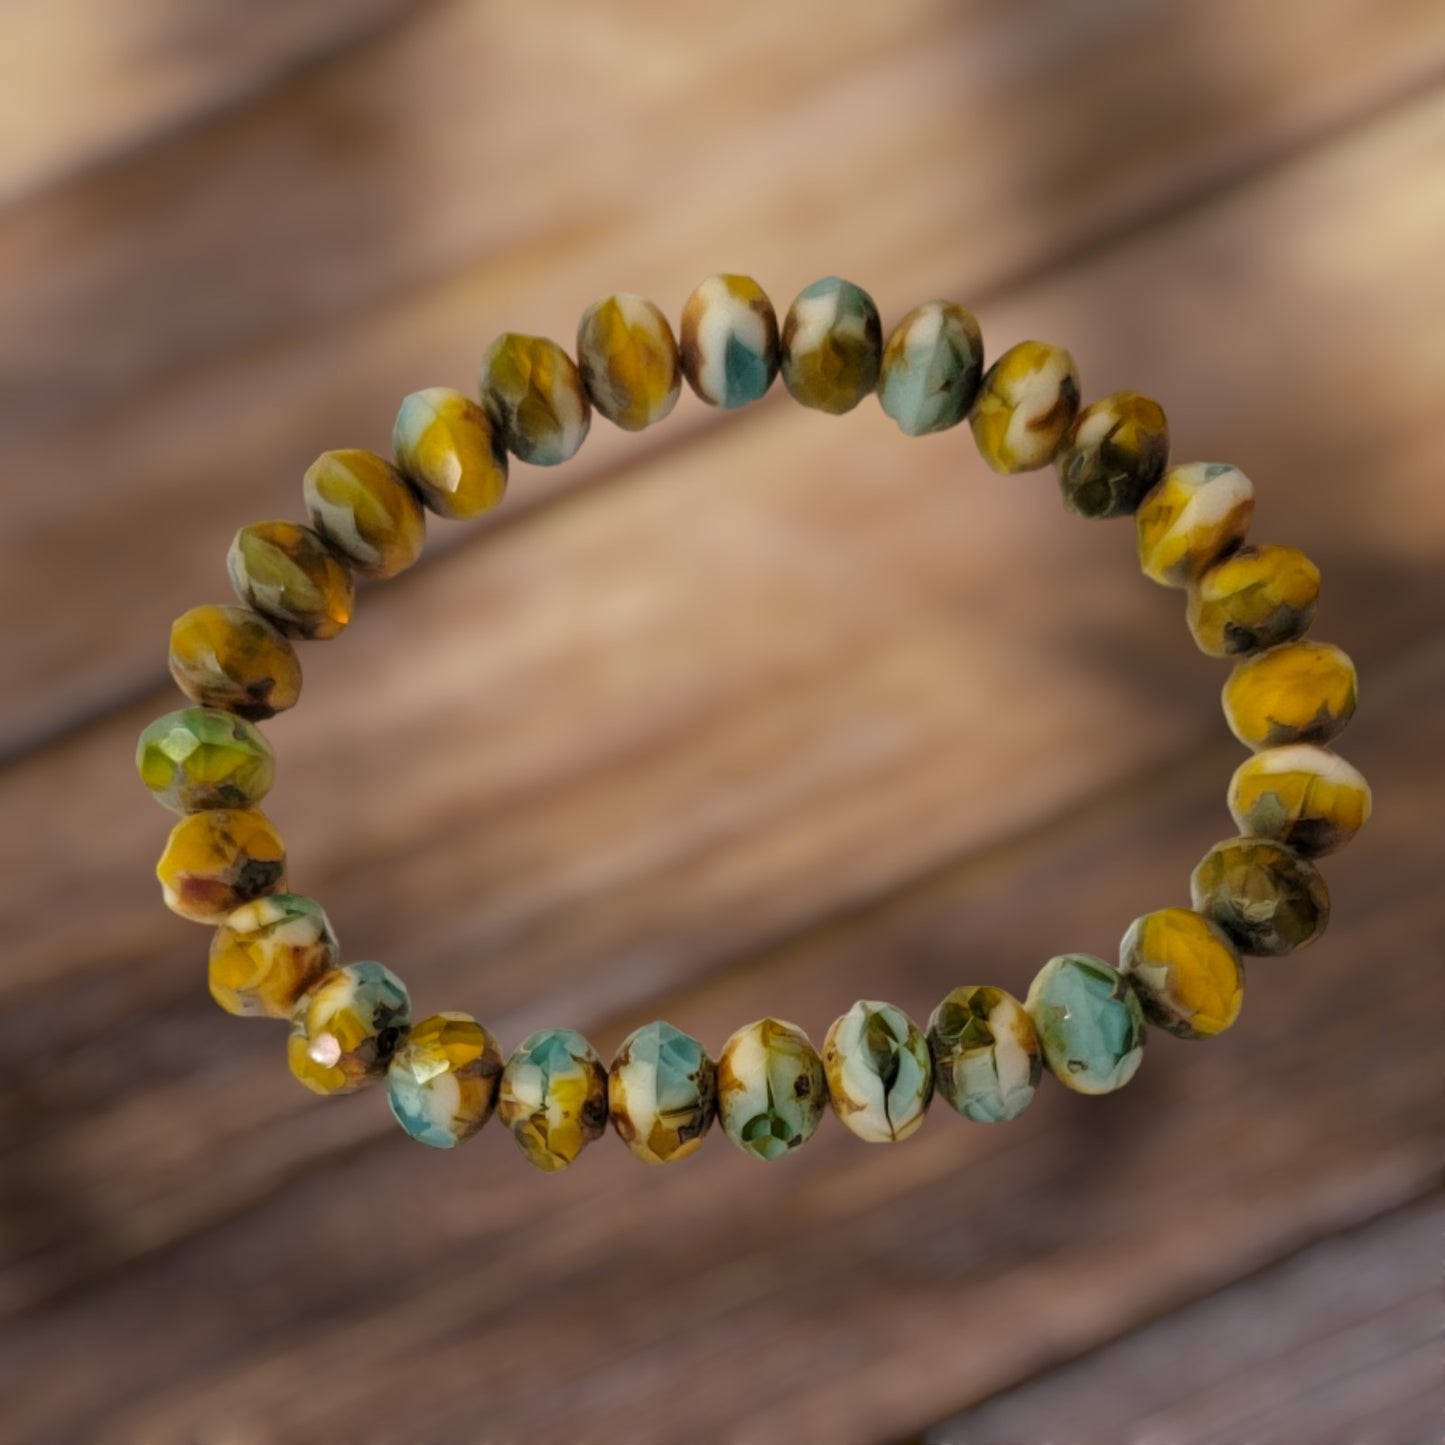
(535, 392)
(1196, 514)
(359, 503)
(268, 953)
(629, 362)
(449, 449)
(286, 571)
(1185, 970)
(345, 1031)
(232, 658)
(1299, 692)
(1256, 598)
(1301, 795)
(442, 1082)
(1025, 407)
(217, 860)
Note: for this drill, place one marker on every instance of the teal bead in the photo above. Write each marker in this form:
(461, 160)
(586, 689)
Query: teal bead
(201, 758)
(1089, 1021)
(554, 1097)
(661, 1093)
(932, 368)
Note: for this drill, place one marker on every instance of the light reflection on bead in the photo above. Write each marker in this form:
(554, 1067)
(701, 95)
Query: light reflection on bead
(345, 1030)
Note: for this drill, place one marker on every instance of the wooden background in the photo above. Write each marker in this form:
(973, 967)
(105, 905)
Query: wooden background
(744, 715)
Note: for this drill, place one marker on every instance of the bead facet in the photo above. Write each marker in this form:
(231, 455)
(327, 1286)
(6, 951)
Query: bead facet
(1254, 598)
(628, 359)
(1185, 970)
(201, 758)
(987, 1060)
(1298, 692)
(554, 1097)
(1090, 1023)
(233, 658)
(1267, 898)
(286, 571)
(879, 1072)
(931, 369)
(359, 504)
(771, 1088)
(832, 346)
(661, 1093)
(1195, 515)
(534, 393)
(442, 1081)
(1025, 407)
(448, 448)
(345, 1030)
(217, 860)
(268, 953)
(1113, 455)
(729, 342)
(1303, 796)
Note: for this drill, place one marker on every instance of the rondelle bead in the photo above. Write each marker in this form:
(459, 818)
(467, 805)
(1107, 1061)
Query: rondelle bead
(1255, 598)
(729, 341)
(832, 346)
(286, 571)
(554, 1097)
(1090, 1023)
(1303, 796)
(268, 953)
(661, 1093)
(1113, 455)
(987, 1060)
(1025, 407)
(771, 1090)
(628, 359)
(1185, 970)
(931, 369)
(359, 504)
(201, 758)
(1196, 514)
(533, 391)
(217, 860)
(442, 1080)
(1298, 692)
(449, 449)
(345, 1030)
(232, 658)
(1267, 898)
(879, 1072)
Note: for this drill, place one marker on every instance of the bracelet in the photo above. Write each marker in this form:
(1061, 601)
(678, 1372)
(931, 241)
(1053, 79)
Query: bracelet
(274, 953)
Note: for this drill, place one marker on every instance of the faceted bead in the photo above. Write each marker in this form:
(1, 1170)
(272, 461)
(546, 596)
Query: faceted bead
(771, 1088)
(1089, 1021)
(1025, 407)
(832, 346)
(268, 953)
(1304, 796)
(359, 504)
(629, 361)
(450, 450)
(346, 1029)
(661, 1093)
(1196, 514)
(931, 370)
(217, 860)
(232, 658)
(442, 1081)
(201, 758)
(1298, 692)
(729, 343)
(554, 1097)
(533, 391)
(1113, 455)
(879, 1072)
(1185, 970)
(286, 571)
(1255, 598)
(987, 1060)
(1266, 897)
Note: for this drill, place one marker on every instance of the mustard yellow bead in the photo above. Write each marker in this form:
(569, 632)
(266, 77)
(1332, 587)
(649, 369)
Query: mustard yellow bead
(628, 358)
(533, 390)
(1266, 897)
(1299, 692)
(359, 504)
(1113, 455)
(450, 450)
(1257, 597)
(1025, 407)
(232, 658)
(286, 571)
(442, 1082)
(346, 1029)
(1196, 514)
(1304, 796)
(217, 860)
(268, 953)
(1185, 970)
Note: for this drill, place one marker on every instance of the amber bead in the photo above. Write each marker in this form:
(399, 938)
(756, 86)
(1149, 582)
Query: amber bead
(1196, 514)
(217, 860)
(233, 658)
(268, 953)
(1301, 795)
(286, 571)
(451, 451)
(1185, 970)
(359, 503)
(346, 1029)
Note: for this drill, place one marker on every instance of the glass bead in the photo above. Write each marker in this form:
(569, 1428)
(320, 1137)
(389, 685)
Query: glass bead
(879, 1072)
(771, 1088)
(286, 571)
(931, 369)
(442, 1081)
(217, 860)
(360, 505)
(1267, 898)
(201, 758)
(729, 341)
(1025, 407)
(1113, 455)
(1298, 692)
(450, 450)
(1303, 796)
(1254, 598)
(233, 658)
(987, 1060)
(1185, 970)
(268, 953)
(628, 359)
(346, 1029)
(1196, 514)
(554, 1097)
(534, 392)
(661, 1093)
(1089, 1021)
(832, 346)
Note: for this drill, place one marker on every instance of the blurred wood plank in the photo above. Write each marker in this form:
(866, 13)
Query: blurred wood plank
(271, 285)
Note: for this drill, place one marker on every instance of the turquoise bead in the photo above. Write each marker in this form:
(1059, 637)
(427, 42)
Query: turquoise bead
(662, 1093)
(932, 367)
(1089, 1022)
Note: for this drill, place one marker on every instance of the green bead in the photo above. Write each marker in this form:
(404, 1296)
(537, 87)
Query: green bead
(880, 1074)
(200, 758)
(661, 1093)
(771, 1088)
(1266, 897)
(832, 346)
(554, 1097)
(986, 1055)
(1089, 1021)
(932, 367)
(1113, 454)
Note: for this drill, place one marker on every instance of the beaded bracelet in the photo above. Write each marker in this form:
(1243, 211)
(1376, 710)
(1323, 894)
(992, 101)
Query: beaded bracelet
(275, 955)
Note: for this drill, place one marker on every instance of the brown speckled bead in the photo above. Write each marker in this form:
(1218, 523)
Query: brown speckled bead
(1266, 897)
(286, 571)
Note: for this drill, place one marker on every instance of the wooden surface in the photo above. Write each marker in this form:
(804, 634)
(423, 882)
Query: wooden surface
(745, 715)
